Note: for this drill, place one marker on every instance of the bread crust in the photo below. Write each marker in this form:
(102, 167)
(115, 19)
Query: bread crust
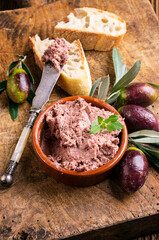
(37, 58)
(91, 40)
(79, 85)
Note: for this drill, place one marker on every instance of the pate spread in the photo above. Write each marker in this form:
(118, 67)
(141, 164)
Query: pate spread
(71, 145)
(57, 53)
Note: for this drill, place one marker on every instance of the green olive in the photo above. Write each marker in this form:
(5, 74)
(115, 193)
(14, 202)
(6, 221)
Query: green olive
(18, 85)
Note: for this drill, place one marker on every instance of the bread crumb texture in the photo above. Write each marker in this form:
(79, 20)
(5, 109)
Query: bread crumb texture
(96, 29)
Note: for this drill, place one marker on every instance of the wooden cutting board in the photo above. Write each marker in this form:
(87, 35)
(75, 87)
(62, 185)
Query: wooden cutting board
(36, 206)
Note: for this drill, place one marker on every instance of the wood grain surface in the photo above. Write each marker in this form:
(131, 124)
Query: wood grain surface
(37, 207)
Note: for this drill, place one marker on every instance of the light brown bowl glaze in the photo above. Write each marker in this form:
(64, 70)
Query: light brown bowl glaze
(70, 177)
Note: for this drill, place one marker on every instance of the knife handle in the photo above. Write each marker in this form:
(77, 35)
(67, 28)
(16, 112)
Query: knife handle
(7, 177)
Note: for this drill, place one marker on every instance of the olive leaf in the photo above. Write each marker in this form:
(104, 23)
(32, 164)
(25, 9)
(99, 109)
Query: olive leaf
(103, 88)
(13, 109)
(127, 78)
(150, 157)
(3, 86)
(154, 144)
(111, 98)
(124, 70)
(144, 133)
(123, 78)
(11, 66)
(145, 136)
(24, 66)
(117, 62)
(120, 70)
(31, 96)
(94, 87)
(147, 140)
(153, 85)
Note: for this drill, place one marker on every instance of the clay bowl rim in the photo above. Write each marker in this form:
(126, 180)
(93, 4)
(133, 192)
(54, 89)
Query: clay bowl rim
(106, 167)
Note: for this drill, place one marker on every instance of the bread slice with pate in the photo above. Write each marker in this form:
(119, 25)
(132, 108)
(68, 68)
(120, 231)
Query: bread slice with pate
(96, 29)
(75, 78)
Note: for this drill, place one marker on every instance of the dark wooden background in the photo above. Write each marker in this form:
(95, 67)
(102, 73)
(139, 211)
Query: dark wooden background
(15, 4)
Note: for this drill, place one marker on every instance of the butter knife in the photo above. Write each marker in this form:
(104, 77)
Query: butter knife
(48, 80)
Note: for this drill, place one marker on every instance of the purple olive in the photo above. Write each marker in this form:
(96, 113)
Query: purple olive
(18, 86)
(142, 94)
(138, 118)
(133, 169)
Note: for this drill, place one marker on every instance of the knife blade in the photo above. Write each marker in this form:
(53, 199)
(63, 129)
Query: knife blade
(48, 80)
(47, 83)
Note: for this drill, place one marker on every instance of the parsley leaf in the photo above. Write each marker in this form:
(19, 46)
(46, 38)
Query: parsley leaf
(94, 128)
(110, 124)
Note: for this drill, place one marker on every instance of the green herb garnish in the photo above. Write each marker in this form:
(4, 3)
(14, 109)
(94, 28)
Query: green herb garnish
(110, 124)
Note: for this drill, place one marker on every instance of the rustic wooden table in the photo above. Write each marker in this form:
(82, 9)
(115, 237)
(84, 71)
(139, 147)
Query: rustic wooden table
(37, 207)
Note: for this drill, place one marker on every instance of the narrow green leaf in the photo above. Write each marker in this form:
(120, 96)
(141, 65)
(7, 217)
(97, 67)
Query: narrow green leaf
(94, 87)
(110, 127)
(151, 158)
(11, 66)
(3, 86)
(151, 150)
(127, 78)
(154, 145)
(111, 98)
(24, 66)
(103, 88)
(154, 85)
(142, 133)
(13, 109)
(124, 70)
(94, 128)
(154, 161)
(147, 140)
(31, 96)
(117, 62)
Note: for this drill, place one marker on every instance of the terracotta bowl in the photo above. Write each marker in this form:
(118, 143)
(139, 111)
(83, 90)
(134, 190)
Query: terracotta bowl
(70, 177)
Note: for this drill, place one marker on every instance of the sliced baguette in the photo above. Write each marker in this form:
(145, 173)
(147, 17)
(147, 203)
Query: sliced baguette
(75, 78)
(96, 29)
